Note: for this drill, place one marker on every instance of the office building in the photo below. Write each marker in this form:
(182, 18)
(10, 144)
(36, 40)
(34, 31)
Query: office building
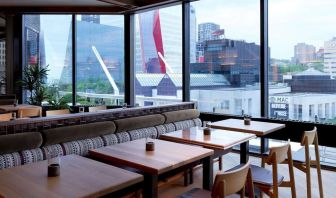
(304, 53)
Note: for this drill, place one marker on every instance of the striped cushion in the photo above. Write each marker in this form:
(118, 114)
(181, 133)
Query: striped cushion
(161, 129)
(123, 137)
(170, 127)
(10, 160)
(52, 151)
(110, 139)
(30, 156)
(185, 124)
(82, 147)
(143, 133)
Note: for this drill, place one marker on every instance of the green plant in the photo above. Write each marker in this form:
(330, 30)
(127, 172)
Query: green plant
(33, 80)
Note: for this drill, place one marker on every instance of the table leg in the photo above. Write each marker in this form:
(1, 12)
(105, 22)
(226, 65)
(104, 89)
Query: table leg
(263, 145)
(244, 148)
(150, 185)
(207, 172)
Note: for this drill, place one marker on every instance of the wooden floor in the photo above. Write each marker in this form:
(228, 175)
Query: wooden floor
(230, 160)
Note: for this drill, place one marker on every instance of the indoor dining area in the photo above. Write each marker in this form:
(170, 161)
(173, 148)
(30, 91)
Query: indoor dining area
(167, 98)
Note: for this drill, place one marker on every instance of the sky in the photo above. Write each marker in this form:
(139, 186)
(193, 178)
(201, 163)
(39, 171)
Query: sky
(290, 22)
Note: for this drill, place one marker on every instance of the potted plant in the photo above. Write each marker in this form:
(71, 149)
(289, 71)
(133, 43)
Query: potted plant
(33, 80)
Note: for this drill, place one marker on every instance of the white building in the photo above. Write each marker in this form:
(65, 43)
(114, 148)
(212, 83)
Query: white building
(330, 57)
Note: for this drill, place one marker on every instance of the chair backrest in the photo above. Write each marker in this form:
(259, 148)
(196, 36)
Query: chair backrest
(310, 136)
(5, 116)
(29, 112)
(97, 108)
(57, 112)
(278, 153)
(230, 182)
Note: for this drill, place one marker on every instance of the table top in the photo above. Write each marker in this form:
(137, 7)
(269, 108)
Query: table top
(218, 139)
(166, 156)
(256, 127)
(9, 108)
(79, 177)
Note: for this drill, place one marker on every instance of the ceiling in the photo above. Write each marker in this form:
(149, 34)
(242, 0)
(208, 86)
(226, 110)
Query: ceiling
(111, 6)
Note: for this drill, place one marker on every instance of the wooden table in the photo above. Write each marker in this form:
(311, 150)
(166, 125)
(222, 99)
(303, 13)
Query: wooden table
(12, 108)
(258, 128)
(168, 158)
(80, 177)
(221, 141)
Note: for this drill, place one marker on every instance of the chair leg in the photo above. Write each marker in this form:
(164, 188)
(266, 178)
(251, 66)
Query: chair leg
(308, 181)
(220, 163)
(318, 168)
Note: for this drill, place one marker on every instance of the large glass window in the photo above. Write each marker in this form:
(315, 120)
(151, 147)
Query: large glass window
(225, 56)
(302, 66)
(47, 44)
(100, 59)
(158, 56)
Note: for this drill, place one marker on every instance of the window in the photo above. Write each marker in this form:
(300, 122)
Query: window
(224, 55)
(303, 57)
(100, 59)
(158, 56)
(47, 43)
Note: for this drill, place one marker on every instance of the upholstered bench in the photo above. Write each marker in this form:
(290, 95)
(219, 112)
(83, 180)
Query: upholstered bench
(77, 139)
(19, 149)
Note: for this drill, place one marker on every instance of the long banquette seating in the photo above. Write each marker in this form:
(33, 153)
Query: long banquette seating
(22, 148)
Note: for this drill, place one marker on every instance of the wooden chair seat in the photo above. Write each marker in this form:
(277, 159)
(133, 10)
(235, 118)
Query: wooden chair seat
(200, 193)
(264, 176)
(196, 193)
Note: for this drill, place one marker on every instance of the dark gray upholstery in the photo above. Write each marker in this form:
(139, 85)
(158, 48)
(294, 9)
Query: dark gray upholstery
(7, 101)
(20, 141)
(174, 116)
(77, 132)
(128, 124)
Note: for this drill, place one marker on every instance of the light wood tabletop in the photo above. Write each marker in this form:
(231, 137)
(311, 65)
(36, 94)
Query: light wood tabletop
(10, 108)
(165, 160)
(256, 127)
(79, 177)
(165, 157)
(218, 139)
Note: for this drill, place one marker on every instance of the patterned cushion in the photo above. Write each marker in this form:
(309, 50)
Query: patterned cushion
(82, 147)
(161, 129)
(10, 160)
(170, 127)
(110, 139)
(198, 122)
(52, 151)
(20, 158)
(30, 156)
(143, 133)
(123, 137)
(185, 124)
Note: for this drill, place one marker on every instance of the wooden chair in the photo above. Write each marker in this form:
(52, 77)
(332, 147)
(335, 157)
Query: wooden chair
(57, 112)
(304, 158)
(97, 108)
(29, 112)
(227, 183)
(5, 116)
(269, 181)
